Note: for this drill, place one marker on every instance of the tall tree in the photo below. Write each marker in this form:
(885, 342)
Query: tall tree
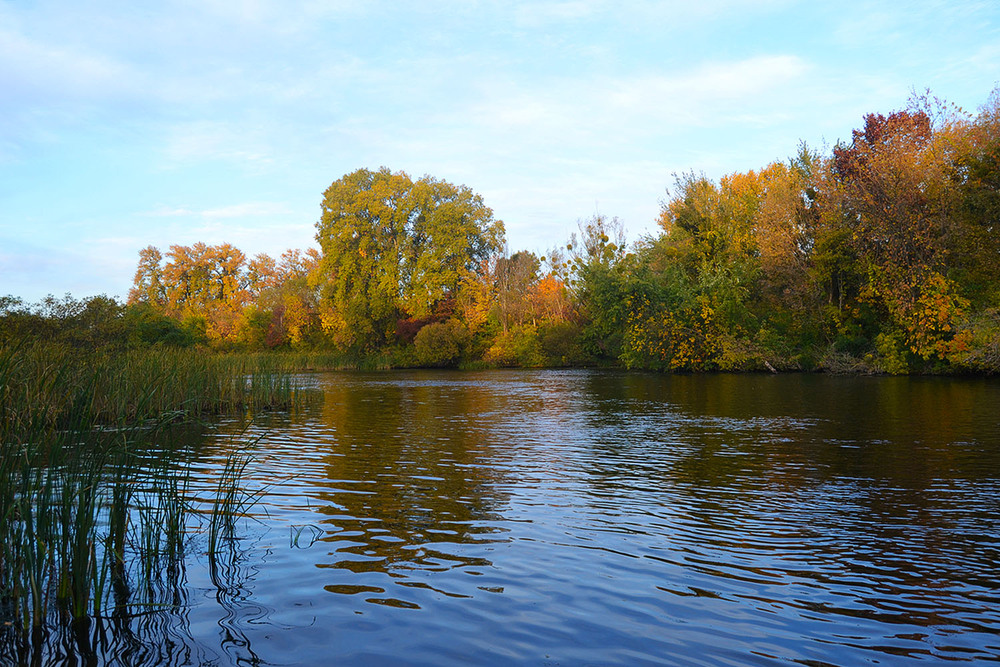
(394, 248)
(898, 201)
(515, 277)
(148, 282)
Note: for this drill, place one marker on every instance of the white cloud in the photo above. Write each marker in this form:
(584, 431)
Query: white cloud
(201, 140)
(241, 210)
(534, 14)
(41, 72)
(590, 112)
(246, 210)
(162, 211)
(538, 14)
(696, 96)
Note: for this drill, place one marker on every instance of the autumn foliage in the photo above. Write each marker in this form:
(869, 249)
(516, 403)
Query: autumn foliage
(881, 256)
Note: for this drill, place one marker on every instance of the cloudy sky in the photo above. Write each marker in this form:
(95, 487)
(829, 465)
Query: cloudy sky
(126, 124)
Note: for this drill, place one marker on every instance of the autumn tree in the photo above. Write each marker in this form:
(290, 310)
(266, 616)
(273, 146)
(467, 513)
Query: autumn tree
(286, 291)
(195, 283)
(516, 276)
(148, 284)
(896, 198)
(393, 248)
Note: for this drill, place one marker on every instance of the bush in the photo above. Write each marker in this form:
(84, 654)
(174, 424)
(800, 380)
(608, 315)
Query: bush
(560, 343)
(983, 354)
(892, 355)
(441, 345)
(518, 346)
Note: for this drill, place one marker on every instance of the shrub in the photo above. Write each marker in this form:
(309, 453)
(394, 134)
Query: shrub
(892, 355)
(518, 346)
(560, 343)
(441, 344)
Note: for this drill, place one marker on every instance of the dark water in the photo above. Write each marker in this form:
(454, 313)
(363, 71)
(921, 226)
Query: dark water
(586, 517)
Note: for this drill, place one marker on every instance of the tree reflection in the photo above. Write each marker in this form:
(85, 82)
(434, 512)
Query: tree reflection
(408, 463)
(876, 479)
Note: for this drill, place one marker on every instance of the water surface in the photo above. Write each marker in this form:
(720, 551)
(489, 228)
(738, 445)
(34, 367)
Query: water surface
(592, 517)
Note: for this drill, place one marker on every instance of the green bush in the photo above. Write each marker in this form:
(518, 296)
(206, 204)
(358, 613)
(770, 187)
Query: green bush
(518, 346)
(441, 344)
(560, 343)
(892, 356)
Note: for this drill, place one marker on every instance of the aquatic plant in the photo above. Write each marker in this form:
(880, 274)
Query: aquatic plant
(95, 509)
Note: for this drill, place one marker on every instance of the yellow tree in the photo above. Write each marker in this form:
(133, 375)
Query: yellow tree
(198, 282)
(148, 284)
(898, 201)
(394, 248)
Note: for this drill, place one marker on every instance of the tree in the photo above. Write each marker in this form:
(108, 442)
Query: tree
(597, 280)
(975, 256)
(148, 282)
(393, 248)
(515, 277)
(897, 198)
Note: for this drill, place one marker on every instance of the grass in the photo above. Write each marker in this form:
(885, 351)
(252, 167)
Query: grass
(291, 362)
(43, 386)
(94, 502)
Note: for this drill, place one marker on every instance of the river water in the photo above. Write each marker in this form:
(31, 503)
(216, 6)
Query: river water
(597, 517)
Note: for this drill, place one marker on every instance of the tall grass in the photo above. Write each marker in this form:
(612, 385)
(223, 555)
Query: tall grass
(44, 385)
(292, 361)
(94, 508)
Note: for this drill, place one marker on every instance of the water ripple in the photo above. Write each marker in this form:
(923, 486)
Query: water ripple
(591, 517)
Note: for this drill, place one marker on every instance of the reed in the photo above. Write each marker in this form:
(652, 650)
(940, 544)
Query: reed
(231, 502)
(44, 385)
(94, 502)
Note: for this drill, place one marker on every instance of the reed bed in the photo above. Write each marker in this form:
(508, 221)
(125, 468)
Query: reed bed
(303, 361)
(94, 504)
(44, 385)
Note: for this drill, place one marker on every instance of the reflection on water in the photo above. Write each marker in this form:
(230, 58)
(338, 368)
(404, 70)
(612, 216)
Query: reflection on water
(573, 517)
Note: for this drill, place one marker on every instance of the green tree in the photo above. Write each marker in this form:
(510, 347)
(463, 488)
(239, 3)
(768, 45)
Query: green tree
(975, 255)
(597, 280)
(393, 248)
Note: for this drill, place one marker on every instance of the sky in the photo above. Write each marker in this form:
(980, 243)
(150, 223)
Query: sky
(128, 124)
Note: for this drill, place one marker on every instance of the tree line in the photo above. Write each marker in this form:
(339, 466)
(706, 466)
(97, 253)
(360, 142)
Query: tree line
(879, 255)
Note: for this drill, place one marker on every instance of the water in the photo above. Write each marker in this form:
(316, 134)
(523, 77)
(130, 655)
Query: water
(591, 517)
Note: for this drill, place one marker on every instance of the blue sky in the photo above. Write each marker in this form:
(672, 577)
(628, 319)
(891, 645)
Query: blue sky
(125, 124)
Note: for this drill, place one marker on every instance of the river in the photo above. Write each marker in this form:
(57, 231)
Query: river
(598, 517)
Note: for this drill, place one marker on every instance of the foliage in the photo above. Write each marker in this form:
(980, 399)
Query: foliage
(393, 248)
(879, 252)
(597, 271)
(518, 346)
(241, 304)
(515, 278)
(559, 343)
(441, 344)
(880, 256)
